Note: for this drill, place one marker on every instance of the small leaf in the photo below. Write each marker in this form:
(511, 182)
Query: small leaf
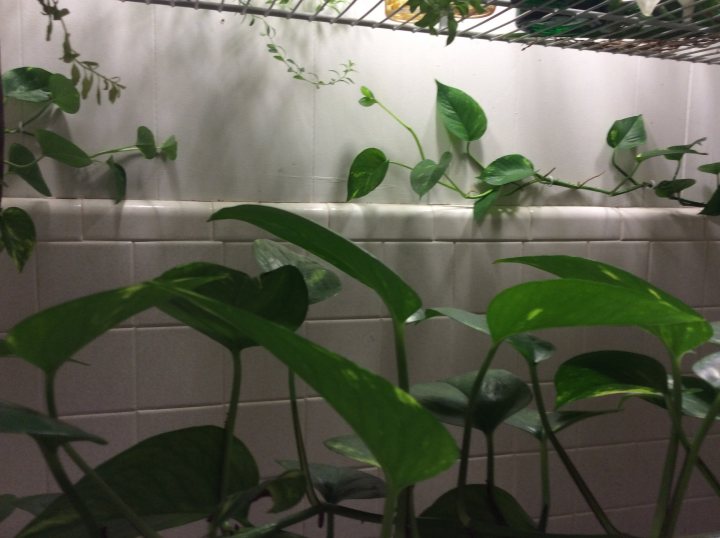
(533, 349)
(477, 322)
(708, 369)
(75, 74)
(64, 94)
(337, 484)
(352, 447)
(666, 189)
(483, 205)
(23, 163)
(146, 142)
(17, 232)
(368, 99)
(27, 84)
(427, 173)
(461, 114)
(673, 153)
(18, 419)
(61, 149)
(528, 420)
(697, 397)
(86, 86)
(321, 282)
(169, 148)
(627, 133)
(367, 172)
(119, 179)
(507, 169)
(712, 207)
(711, 168)
(603, 373)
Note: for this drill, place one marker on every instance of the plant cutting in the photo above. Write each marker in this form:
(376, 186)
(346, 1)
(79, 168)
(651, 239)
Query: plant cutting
(466, 122)
(206, 473)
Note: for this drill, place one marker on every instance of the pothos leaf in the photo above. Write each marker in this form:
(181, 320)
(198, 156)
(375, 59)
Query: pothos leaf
(461, 114)
(119, 179)
(17, 233)
(427, 173)
(146, 142)
(627, 133)
(24, 164)
(367, 171)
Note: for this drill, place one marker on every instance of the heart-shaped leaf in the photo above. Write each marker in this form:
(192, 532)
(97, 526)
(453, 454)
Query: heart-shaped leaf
(708, 369)
(603, 373)
(18, 419)
(710, 168)
(627, 133)
(427, 173)
(461, 114)
(367, 171)
(27, 84)
(712, 207)
(119, 179)
(17, 232)
(533, 349)
(145, 142)
(63, 93)
(24, 164)
(528, 420)
(482, 206)
(61, 149)
(169, 148)
(352, 447)
(507, 169)
(666, 189)
(367, 99)
(337, 484)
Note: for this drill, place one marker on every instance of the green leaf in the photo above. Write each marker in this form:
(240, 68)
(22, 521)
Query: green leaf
(483, 205)
(708, 369)
(18, 419)
(712, 207)
(671, 320)
(603, 373)
(170, 479)
(697, 397)
(321, 283)
(61, 149)
(337, 484)
(501, 395)
(64, 94)
(477, 322)
(627, 133)
(352, 447)
(119, 179)
(528, 420)
(367, 171)
(507, 169)
(368, 99)
(17, 233)
(36, 504)
(666, 189)
(710, 168)
(7, 506)
(427, 173)
(672, 153)
(461, 114)
(169, 148)
(279, 295)
(75, 74)
(68, 327)
(399, 298)
(24, 165)
(27, 84)
(146, 142)
(533, 349)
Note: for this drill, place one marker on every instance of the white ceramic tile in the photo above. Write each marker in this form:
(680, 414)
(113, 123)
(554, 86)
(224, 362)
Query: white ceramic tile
(322, 423)
(24, 471)
(572, 223)
(55, 220)
(264, 377)
(10, 26)
(661, 224)
(18, 294)
(196, 361)
(563, 492)
(382, 222)
(156, 421)
(146, 220)
(502, 224)
(71, 270)
(698, 516)
(635, 520)
(675, 268)
(104, 378)
(631, 256)
(233, 230)
(21, 383)
(426, 267)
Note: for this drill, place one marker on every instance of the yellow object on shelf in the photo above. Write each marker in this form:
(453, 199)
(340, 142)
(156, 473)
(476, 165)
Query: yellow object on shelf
(398, 11)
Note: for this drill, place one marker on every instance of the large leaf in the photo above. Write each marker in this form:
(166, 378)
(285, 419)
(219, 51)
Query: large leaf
(671, 320)
(279, 295)
(24, 164)
(666, 189)
(603, 373)
(27, 84)
(482, 206)
(708, 369)
(64, 94)
(501, 395)
(61, 149)
(399, 298)
(352, 447)
(18, 419)
(427, 173)
(528, 420)
(146, 142)
(169, 480)
(712, 207)
(17, 232)
(627, 133)
(68, 327)
(461, 114)
(407, 441)
(367, 171)
(507, 169)
(477, 322)
(321, 283)
(697, 397)
(337, 484)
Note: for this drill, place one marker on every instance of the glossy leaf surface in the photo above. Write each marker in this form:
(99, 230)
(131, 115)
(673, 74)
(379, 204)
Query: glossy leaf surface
(627, 133)
(531, 348)
(603, 373)
(27, 84)
(697, 397)
(18, 419)
(61, 149)
(145, 142)
(352, 447)
(708, 369)
(169, 479)
(337, 484)
(321, 283)
(17, 232)
(427, 173)
(528, 420)
(400, 299)
(24, 165)
(461, 115)
(507, 169)
(367, 172)
(477, 322)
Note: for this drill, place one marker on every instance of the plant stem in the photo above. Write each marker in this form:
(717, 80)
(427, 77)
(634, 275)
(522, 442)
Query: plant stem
(114, 150)
(490, 480)
(21, 126)
(128, 513)
(286, 521)
(705, 471)
(544, 484)
(230, 421)
(406, 126)
(388, 514)
(330, 526)
(299, 442)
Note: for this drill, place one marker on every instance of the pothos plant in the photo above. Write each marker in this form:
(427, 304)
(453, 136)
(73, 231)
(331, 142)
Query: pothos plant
(206, 473)
(466, 123)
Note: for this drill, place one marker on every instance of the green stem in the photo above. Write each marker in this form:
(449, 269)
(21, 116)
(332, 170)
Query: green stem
(705, 471)
(230, 421)
(352, 513)
(330, 530)
(114, 150)
(581, 187)
(544, 484)
(23, 124)
(490, 480)
(299, 442)
(406, 126)
(687, 468)
(403, 376)
(388, 514)
(128, 513)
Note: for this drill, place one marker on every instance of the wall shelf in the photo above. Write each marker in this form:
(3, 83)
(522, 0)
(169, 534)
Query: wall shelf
(690, 33)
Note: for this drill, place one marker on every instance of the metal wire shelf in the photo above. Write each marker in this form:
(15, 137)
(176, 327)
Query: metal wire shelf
(686, 33)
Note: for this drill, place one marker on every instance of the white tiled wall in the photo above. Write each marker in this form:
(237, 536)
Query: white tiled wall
(125, 393)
